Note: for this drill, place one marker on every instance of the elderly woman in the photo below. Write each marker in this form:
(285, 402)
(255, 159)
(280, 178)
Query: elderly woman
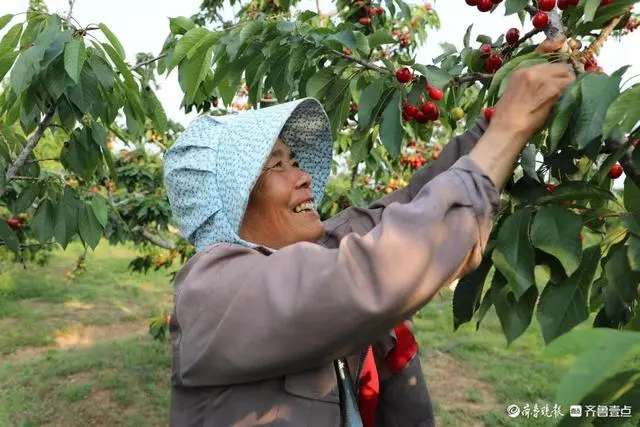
(274, 297)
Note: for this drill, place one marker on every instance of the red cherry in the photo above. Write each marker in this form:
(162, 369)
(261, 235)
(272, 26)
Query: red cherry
(635, 142)
(550, 187)
(411, 110)
(581, 236)
(14, 223)
(546, 4)
(403, 75)
(471, 2)
(573, 2)
(488, 112)
(365, 20)
(563, 4)
(540, 20)
(485, 5)
(404, 42)
(512, 36)
(379, 11)
(435, 93)
(486, 50)
(493, 63)
(421, 117)
(347, 51)
(430, 110)
(615, 171)
(605, 2)
(496, 1)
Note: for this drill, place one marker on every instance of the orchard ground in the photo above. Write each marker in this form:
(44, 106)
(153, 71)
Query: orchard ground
(77, 353)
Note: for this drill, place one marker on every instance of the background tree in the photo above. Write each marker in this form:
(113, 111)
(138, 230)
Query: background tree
(565, 245)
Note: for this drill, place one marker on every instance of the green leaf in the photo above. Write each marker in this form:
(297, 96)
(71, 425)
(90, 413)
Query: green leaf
(26, 68)
(6, 62)
(10, 39)
(467, 294)
(4, 20)
(563, 112)
(467, 36)
(185, 44)
(575, 190)
(379, 38)
(515, 314)
(89, 226)
(633, 252)
(555, 230)
(368, 101)
(113, 40)
(60, 229)
(590, 8)
(195, 70)
(43, 221)
(100, 210)
(528, 161)
(391, 130)
(74, 57)
(121, 66)
(345, 38)
(103, 71)
(155, 108)
(26, 198)
(624, 112)
(180, 25)
(318, 84)
(597, 93)
(564, 305)
(339, 111)
(631, 196)
(514, 6)
(435, 76)
(362, 44)
(9, 237)
(599, 352)
(620, 275)
(513, 254)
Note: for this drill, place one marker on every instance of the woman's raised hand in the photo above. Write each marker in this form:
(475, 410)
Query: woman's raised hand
(521, 111)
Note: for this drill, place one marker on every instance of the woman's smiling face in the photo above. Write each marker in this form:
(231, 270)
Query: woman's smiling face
(281, 209)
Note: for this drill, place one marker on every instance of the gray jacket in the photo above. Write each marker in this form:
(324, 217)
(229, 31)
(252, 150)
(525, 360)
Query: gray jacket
(255, 334)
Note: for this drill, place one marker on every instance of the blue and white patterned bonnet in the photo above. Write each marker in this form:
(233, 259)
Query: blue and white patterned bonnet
(211, 169)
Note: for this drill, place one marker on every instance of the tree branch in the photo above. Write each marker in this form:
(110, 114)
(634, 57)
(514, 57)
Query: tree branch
(510, 48)
(156, 240)
(31, 144)
(597, 43)
(147, 62)
(71, 4)
(57, 159)
(362, 62)
(472, 77)
(530, 9)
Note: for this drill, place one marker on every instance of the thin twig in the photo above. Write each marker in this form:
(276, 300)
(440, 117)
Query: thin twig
(57, 159)
(156, 240)
(597, 43)
(26, 178)
(147, 62)
(532, 10)
(31, 144)
(472, 77)
(71, 4)
(510, 48)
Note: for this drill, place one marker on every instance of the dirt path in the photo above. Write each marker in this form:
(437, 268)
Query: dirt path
(80, 337)
(457, 389)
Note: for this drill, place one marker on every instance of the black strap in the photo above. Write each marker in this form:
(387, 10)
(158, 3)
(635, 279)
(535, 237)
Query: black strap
(348, 405)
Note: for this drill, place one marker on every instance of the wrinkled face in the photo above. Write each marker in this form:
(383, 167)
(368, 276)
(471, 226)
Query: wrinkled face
(281, 210)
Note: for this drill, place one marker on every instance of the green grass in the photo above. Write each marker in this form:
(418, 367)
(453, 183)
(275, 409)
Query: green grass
(120, 377)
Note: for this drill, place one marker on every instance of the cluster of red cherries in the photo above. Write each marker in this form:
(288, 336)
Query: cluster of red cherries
(425, 111)
(367, 10)
(540, 19)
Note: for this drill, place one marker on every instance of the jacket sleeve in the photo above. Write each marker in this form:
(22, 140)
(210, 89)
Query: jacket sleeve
(243, 316)
(362, 220)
